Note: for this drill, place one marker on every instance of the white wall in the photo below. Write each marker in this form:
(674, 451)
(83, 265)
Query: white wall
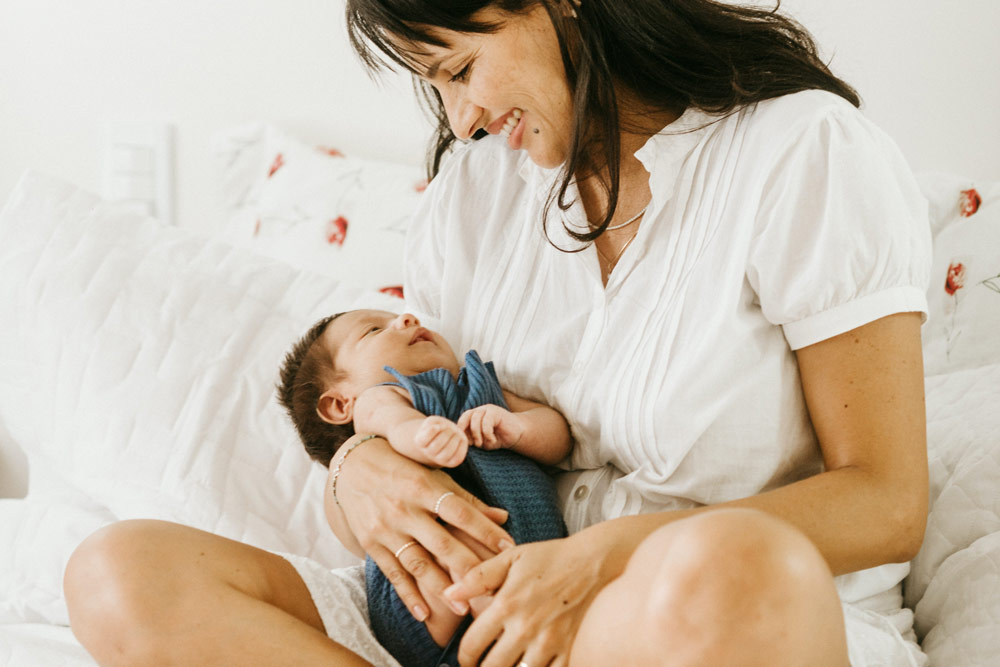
(927, 71)
(925, 68)
(69, 66)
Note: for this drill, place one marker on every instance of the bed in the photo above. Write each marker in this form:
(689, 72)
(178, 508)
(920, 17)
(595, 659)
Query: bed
(138, 363)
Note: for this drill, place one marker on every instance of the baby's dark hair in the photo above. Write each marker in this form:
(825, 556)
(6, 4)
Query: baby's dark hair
(305, 374)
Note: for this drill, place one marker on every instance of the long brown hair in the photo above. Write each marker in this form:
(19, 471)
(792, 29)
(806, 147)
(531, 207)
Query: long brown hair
(669, 54)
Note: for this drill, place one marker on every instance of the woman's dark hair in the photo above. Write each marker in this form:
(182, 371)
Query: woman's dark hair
(668, 54)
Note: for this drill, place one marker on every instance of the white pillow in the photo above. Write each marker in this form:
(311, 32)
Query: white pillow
(314, 207)
(138, 364)
(38, 535)
(964, 294)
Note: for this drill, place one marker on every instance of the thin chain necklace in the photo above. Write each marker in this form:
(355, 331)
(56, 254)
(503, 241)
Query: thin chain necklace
(618, 255)
(624, 224)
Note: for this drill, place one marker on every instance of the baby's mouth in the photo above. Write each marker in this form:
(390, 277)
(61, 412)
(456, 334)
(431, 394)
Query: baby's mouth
(421, 335)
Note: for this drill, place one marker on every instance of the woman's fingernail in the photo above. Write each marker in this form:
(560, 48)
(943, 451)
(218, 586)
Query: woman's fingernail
(506, 544)
(420, 613)
(459, 608)
(451, 590)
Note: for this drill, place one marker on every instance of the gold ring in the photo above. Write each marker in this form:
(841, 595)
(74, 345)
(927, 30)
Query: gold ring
(437, 505)
(404, 548)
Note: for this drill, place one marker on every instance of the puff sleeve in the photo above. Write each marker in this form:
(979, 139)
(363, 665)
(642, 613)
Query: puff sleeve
(842, 236)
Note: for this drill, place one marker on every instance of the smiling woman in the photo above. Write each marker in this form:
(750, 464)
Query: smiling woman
(734, 285)
(484, 70)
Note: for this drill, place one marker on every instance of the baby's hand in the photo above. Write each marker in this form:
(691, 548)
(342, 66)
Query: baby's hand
(492, 427)
(442, 441)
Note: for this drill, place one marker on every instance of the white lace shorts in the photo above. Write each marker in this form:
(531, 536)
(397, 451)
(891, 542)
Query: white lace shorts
(879, 632)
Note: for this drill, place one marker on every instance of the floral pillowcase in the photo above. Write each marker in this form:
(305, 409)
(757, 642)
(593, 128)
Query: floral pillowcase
(314, 207)
(964, 294)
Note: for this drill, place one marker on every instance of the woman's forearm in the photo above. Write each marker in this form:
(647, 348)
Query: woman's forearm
(335, 516)
(855, 521)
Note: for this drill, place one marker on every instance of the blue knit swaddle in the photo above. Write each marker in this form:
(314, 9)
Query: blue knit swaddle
(499, 478)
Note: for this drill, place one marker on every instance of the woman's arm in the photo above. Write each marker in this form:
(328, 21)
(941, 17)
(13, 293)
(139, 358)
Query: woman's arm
(864, 391)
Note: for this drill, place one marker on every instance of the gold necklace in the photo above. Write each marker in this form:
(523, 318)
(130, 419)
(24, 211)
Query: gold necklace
(618, 255)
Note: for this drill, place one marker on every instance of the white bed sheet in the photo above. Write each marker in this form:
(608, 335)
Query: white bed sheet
(41, 645)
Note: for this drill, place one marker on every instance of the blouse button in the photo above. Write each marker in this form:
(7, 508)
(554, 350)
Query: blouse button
(581, 492)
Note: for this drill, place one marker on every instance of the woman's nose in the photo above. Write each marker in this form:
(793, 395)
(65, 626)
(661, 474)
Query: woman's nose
(463, 115)
(405, 320)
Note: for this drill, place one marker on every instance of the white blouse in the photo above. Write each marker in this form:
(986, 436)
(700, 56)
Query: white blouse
(770, 229)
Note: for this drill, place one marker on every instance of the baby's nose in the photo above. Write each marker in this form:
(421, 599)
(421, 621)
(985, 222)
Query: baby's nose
(406, 320)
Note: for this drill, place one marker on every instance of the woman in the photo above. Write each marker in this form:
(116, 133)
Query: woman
(687, 240)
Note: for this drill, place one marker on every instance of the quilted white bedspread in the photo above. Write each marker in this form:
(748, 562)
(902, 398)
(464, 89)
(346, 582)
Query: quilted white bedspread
(954, 584)
(201, 440)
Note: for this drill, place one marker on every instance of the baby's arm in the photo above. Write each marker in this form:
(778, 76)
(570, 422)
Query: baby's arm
(386, 410)
(529, 428)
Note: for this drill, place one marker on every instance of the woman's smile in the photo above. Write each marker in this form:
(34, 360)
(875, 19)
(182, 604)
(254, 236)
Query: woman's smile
(507, 82)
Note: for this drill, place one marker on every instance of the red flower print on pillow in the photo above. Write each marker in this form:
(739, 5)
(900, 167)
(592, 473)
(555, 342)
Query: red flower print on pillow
(394, 290)
(969, 202)
(336, 231)
(278, 163)
(332, 152)
(956, 278)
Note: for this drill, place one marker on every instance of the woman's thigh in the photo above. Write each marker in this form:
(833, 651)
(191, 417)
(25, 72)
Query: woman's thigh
(153, 592)
(726, 587)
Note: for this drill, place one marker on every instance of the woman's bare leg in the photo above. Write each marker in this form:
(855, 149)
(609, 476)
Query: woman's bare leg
(723, 588)
(157, 593)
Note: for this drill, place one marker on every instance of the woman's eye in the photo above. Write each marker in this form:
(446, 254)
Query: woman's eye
(374, 329)
(462, 75)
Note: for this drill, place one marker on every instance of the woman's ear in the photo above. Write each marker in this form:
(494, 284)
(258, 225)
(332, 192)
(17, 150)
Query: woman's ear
(335, 408)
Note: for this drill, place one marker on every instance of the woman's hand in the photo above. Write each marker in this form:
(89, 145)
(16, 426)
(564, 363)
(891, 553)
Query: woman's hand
(541, 592)
(389, 501)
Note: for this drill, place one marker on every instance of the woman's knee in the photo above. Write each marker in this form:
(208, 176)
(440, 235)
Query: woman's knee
(106, 584)
(749, 547)
(733, 578)
(730, 561)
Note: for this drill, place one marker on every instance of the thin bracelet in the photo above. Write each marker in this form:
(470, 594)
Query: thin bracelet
(336, 470)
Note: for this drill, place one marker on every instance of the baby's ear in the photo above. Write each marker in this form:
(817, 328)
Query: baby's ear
(335, 407)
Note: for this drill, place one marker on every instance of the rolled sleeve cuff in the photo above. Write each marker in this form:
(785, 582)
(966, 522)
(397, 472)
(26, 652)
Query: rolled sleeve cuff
(855, 313)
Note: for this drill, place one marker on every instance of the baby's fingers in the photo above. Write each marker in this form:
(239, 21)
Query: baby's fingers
(476, 426)
(490, 420)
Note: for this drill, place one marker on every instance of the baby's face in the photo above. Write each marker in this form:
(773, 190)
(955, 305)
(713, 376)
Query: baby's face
(363, 342)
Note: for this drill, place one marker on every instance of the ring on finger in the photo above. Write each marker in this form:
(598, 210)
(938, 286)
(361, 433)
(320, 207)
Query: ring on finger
(404, 548)
(437, 505)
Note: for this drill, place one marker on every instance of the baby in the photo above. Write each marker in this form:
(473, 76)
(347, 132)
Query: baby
(346, 375)
(367, 371)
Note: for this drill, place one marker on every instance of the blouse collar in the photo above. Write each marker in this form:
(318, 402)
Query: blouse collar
(662, 155)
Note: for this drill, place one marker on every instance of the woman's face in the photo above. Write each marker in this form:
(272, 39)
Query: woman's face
(513, 77)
